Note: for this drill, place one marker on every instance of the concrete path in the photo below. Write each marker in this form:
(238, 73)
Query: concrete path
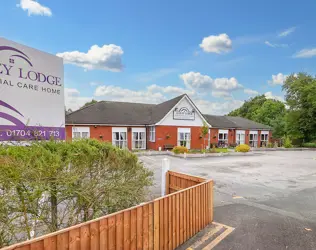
(270, 198)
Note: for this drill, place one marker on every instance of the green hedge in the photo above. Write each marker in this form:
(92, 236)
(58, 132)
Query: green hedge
(309, 145)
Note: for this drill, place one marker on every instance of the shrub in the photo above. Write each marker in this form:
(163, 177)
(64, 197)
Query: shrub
(287, 142)
(232, 145)
(51, 185)
(242, 148)
(309, 145)
(180, 150)
(270, 145)
(213, 150)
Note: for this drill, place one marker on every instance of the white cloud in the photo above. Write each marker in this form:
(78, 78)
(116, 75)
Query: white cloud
(287, 32)
(305, 53)
(278, 79)
(107, 57)
(276, 45)
(226, 84)
(170, 90)
(34, 8)
(269, 95)
(222, 94)
(251, 92)
(195, 80)
(217, 108)
(216, 44)
(73, 100)
(115, 93)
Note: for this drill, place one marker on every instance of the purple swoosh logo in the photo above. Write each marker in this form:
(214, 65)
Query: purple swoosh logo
(12, 119)
(27, 60)
(4, 104)
(24, 57)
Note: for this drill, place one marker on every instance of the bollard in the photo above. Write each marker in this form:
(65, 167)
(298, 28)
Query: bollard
(165, 167)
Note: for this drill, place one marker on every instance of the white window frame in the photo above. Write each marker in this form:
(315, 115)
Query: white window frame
(80, 132)
(254, 141)
(265, 140)
(186, 141)
(239, 135)
(224, 140)
(152, 133)
(121, 142)
(138, 143)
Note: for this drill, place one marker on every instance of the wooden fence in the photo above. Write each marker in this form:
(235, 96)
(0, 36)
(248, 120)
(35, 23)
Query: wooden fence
(164, 223)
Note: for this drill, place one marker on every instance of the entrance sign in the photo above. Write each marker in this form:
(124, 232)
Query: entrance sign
(183, 114)
(31, 94)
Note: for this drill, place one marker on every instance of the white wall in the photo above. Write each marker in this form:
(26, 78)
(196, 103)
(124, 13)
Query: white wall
(170, 121)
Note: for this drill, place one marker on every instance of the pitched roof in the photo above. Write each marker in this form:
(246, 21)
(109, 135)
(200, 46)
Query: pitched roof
(125, 113)
(234, 122)
(219, 121)
(246, 123)
(160, 110)
(122, 113)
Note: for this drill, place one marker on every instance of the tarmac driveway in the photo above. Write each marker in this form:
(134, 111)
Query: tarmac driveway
(269, 198)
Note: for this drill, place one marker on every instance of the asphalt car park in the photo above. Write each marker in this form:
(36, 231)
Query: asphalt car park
(269, 198)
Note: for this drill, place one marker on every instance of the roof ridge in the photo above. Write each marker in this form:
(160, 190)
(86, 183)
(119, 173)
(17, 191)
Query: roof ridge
(83, 107)
(129, 102)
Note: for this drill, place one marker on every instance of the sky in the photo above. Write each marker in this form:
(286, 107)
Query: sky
(220, 53)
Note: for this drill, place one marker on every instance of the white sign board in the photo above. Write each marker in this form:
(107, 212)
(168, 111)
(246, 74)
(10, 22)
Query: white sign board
(31, 94)
(183, 113)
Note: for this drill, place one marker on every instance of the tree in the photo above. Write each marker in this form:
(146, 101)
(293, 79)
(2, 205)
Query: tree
(204, 132)
(300, 97)
(89, 103)
(266, 111)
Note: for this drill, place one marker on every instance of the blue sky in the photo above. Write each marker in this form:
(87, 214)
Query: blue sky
(219, 52)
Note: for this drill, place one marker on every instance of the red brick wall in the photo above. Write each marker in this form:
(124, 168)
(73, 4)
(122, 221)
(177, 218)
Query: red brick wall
(214, 133)
(231, 136)
(259, 138)
(247, 137)
(104, 131)
(163, 131)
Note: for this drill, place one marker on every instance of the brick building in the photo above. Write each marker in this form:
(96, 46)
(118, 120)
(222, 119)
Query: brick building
(149, 126)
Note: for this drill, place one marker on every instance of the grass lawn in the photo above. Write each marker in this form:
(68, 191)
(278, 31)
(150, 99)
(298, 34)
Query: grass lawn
(221, 150)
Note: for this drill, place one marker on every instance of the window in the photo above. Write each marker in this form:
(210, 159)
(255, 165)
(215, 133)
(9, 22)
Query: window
(184, 137)
(152, 133)
(120, 139)
(80, 132)
(264, 138)
(253, 139)
(240, 137)
(223, 138)
(139, 140)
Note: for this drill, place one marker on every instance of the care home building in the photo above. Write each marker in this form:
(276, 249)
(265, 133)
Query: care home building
(162, 126)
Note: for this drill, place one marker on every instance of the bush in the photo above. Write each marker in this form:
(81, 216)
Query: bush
(232, 145)
(51, 185)
(180, 150)
(309, 145)
(242, 148)
(287, 142)
(270, 145)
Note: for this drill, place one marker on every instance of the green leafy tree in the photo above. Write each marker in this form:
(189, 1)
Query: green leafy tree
(266, 111)
(89, 103)
(300, 97)
(204, 132)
